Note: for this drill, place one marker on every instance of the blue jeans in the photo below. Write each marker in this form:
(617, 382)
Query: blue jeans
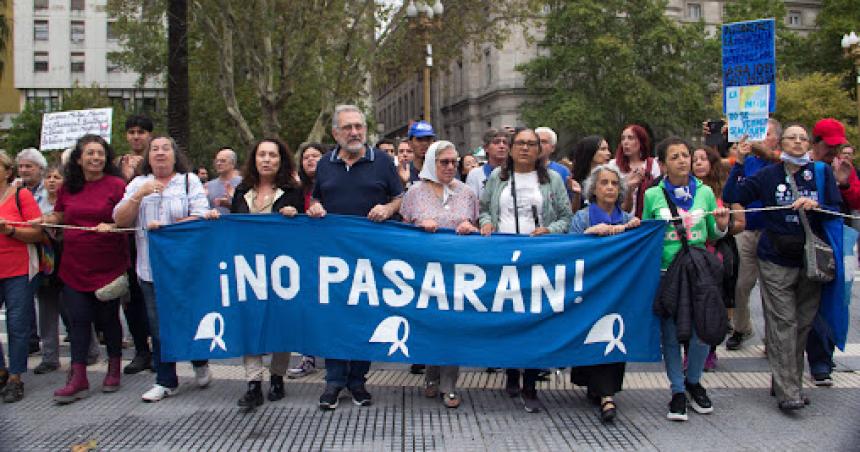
(696, 355)
(165, 372)
(17, 294)
(346, 373)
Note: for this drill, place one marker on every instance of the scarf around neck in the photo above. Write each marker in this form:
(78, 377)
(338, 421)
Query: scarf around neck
(596, 215)
(682, 195)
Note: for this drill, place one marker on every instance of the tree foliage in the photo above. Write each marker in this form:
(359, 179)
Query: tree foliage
(808, 98)
(610, 63)
(4, 35)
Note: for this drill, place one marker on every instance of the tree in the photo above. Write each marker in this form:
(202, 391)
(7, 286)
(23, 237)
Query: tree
(279, 67)
(26, 128)
(177, 73)
(614, 62)
(4, 35)
(806, 99)
(823, 52)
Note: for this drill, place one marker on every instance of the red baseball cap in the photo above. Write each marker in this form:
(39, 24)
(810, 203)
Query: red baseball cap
(830, 131)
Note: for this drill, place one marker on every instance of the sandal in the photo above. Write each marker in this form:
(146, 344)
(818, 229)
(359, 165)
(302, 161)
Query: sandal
(608, 410)
(451, 400)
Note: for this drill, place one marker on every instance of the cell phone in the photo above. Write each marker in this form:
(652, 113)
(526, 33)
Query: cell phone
(715, 133)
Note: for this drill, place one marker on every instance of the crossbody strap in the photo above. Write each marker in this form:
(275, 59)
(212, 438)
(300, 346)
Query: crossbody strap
(803, 220)
(677, 221)
(516, 207)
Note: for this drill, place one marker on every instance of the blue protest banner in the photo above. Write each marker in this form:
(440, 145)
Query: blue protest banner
(749, 56)
(343, 287)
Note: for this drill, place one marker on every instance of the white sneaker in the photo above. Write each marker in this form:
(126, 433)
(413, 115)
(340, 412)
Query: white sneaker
(202, 376)
(158, 392)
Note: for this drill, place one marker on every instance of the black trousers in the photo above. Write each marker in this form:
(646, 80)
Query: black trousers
(84, 309)
(135, 310)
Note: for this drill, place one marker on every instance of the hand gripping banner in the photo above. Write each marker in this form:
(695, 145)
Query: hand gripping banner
(344, 287)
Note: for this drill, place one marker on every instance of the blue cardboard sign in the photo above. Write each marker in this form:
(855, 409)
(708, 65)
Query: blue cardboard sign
(749, 56)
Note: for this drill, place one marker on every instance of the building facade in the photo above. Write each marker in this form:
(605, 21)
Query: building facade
(62, 44)
(482, 89)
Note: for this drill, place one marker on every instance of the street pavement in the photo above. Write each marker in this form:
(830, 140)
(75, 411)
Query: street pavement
(745, 418)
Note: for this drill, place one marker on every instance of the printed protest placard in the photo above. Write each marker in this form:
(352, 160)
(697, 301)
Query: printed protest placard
(749, 56)
(60, 130)
(747, 111)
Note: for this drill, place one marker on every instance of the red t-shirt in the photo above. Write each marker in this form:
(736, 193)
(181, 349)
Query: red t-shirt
(90, 259)
(14, 258)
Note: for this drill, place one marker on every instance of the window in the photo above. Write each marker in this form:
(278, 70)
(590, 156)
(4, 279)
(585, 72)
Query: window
(77, 62)
(694, 11)
(48, 99)
(40, 5)
(489, 66)
(795, 18)
(40, 61)
(40, 30)
(111, 31)
(77, 31)
(77, 5)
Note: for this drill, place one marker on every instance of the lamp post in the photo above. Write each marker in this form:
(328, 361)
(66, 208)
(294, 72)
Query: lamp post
(851, 48)
(423, 19)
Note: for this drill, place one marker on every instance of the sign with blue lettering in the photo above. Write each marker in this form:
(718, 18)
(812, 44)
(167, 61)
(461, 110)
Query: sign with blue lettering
(344, 287)
(749, 56)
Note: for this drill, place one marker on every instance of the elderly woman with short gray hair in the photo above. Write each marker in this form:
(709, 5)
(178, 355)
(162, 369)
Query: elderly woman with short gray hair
(603, 190)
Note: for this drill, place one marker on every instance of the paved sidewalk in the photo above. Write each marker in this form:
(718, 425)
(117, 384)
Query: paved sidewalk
(745, 417)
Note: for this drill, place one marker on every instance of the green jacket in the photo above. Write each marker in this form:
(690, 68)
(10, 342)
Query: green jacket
(700, 228)
(556, 205)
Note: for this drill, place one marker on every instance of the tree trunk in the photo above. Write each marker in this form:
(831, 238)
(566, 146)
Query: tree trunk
(177, 73)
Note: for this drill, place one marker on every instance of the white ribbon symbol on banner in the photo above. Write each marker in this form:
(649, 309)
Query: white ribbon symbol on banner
(604, 331)
(388, 332)
(207, 329)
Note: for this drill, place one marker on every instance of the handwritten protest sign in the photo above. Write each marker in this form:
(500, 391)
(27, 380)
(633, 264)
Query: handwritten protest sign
(749, 56)
(747, 111)
(60, 130)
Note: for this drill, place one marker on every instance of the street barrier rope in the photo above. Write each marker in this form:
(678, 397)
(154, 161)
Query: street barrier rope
(679, 217)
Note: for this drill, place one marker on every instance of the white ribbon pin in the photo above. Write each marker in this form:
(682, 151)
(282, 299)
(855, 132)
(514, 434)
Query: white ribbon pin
(212, 327)
(388, 331)
(604, 331)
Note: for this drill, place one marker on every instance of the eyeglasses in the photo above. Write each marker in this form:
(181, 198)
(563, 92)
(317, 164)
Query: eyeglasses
(528, 144)
(499, 141)
(802, 138)
(446, 162)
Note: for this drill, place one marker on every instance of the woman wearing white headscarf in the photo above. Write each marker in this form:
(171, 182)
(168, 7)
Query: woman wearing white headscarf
(440, 200)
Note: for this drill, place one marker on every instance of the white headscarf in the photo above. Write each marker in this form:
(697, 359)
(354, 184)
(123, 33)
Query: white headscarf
(428, 172)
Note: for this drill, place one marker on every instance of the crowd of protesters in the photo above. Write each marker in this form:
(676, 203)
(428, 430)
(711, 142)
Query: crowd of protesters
(514, 187)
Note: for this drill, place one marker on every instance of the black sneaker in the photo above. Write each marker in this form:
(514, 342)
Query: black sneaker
(530, 401)
(4, 378)
(13, 392)
(253, 397)
(138, 364)
(360, 396)
(329, 398)
(699, 398)
(678, 407)
(822, 380)
(276, 388)
(735, 341)
(44, 368)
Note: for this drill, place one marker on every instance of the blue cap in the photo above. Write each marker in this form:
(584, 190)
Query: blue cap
(421, 129)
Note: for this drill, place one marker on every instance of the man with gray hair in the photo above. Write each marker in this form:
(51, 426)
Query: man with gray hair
(548, 141)
(31, 169)
(220, 190)
(352, 179)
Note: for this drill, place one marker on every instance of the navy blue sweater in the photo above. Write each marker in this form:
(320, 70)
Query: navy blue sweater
(770, 186)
